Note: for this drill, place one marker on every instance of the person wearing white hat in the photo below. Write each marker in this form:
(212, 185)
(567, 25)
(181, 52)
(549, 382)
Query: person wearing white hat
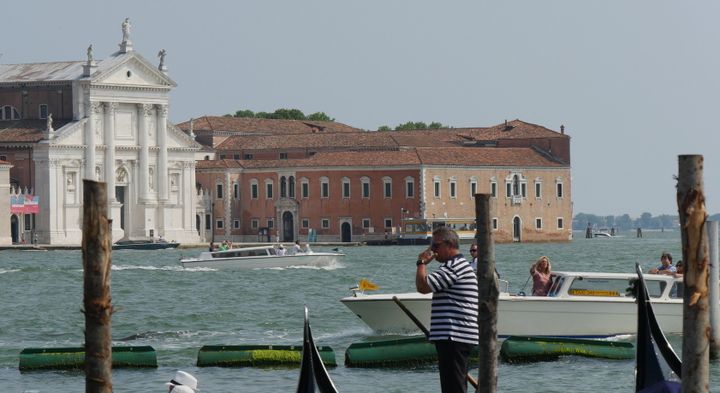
(182, 383)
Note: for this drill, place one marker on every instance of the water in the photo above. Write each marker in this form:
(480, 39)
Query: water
(179, 310)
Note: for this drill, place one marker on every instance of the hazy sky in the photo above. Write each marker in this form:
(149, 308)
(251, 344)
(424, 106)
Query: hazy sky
(634, 82)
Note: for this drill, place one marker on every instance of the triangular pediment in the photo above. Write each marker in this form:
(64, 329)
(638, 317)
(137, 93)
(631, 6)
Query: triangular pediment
(131, 69)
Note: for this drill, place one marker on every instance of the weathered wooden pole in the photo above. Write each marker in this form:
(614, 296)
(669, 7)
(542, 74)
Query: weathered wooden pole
(487, 296)
(712, 231)
(96, 249)
(691, 207)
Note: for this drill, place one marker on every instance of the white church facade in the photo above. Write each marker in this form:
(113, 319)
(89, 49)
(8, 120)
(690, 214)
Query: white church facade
(104, 120)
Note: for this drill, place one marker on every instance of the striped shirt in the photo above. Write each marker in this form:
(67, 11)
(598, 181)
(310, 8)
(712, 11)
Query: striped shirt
(455, 302)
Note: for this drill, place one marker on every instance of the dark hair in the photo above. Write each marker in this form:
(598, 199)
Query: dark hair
(447, 235)
(666, 255)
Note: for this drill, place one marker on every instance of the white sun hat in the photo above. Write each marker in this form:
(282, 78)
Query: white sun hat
(183, 379)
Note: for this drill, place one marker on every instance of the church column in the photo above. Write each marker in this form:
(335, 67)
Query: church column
(163, 155)
(93, 114)
(188, 193)
(144, 151)
(109, 128)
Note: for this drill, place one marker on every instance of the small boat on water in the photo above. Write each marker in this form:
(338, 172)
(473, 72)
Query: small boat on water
(579, 304)
(259, 257)
(143, 245)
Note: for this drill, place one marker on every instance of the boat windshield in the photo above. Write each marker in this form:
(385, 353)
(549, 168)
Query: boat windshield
(239, 253)
(612, 287)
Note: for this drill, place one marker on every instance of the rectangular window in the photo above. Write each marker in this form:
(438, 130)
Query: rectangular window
(269, 190)
(366, 190)
(254, 223)
(305, 223)
(236, 191)
(523, 190)
(410, 189)
(305, 190)
(453, 186)
(236, 156)
(388, 190)
(493, 189)
(559, 190)
(473, 189)
(219, 224)
(388, 223)
(346, 190)
(254, 191)
(366, 223)
(538, 223)
(219, 191)
(508, 190)
(208, 222)
(538, 190)
(43, 111)
(283, 156)
(222, 156)
(247, 156)
(560, 223)
(495, 223)
(437, 189)
(325, 223)
(324, 190)
(270, 223)
(236, 224)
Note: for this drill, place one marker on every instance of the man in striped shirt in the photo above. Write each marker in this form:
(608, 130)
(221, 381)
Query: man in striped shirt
(453, 322)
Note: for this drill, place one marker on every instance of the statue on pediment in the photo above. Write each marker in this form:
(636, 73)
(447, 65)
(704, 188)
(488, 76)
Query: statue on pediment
(90, 58)
(161, 55)
(126, 30)
(49, 124)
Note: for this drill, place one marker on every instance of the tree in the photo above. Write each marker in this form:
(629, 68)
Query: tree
(244, 113)
(384, 128)
(319, 116)
(283, 114)
(436, 125)
(411, 126)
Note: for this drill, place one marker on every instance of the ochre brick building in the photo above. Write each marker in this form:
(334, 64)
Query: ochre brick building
(345, 184)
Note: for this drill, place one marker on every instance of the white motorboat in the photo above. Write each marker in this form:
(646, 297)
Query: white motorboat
(579, 305)
(259, 257)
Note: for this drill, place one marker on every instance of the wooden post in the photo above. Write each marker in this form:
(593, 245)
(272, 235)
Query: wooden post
(691, 207)
(712, 232)
(487, 296)
(96, 251)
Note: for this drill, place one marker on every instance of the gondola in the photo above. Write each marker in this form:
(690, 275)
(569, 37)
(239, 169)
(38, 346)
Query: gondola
(313, 374)
(649, 376)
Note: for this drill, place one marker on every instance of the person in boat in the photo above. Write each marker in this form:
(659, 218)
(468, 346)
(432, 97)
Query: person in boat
(182, 382)
(542, 279)
(281, 250)
(453, 326)
(297, 248)
(679, 268)
(666, 266)
(211, 247)
(223, 246)
(473, 254)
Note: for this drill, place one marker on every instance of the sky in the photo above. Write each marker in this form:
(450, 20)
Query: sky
(634, 83)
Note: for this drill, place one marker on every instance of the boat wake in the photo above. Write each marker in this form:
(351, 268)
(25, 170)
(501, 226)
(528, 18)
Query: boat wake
(3, 271)
(162, 268)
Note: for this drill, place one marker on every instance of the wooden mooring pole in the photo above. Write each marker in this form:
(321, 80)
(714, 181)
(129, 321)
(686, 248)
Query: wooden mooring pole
(712, 232)
(487, 296)
(691, 208)
(96, 251)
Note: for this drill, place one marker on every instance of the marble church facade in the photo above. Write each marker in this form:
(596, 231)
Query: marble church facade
(104, 120)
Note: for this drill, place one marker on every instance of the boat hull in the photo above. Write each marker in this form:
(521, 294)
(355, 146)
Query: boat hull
(144, 246)
(524, 315)
(265, 261)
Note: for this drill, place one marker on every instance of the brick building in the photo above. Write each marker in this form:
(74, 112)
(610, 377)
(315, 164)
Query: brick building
(354, 185)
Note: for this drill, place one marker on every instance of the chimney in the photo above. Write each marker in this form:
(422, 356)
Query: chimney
(562, 129)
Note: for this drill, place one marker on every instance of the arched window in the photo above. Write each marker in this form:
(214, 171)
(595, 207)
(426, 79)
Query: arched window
(291, 187)
(8, 112)
(283, 187)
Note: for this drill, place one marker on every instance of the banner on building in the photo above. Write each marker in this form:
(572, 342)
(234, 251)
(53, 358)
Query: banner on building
(26, 204)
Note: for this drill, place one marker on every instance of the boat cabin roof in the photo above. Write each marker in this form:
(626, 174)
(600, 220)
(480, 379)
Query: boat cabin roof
(595, 284)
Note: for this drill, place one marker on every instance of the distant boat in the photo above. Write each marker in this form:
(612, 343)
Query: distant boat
(259, 257)
(602, 234)
(143, 245)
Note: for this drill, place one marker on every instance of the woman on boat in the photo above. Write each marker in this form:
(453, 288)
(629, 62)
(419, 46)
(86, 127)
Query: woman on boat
(540, 272)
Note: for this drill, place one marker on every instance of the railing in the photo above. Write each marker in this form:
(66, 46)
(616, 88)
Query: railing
(517, 199)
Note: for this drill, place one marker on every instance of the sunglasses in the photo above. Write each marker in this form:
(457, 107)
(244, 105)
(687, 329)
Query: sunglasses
(473, 250)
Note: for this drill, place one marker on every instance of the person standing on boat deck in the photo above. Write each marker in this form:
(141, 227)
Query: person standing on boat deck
(454, 310)
(296, 248)
(666, 266)
(542, 279)
(281, 250)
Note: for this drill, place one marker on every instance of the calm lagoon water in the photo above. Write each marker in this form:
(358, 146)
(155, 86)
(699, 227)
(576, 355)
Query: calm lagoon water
(179, 310)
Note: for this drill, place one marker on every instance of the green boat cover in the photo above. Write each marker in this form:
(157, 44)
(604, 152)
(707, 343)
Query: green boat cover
(258, 356)
(519, 349)
(74, 357)
(400, 352)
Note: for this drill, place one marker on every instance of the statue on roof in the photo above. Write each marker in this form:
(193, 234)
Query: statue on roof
(90, 54)
(49, 125)
(126, 30)
(161, 55)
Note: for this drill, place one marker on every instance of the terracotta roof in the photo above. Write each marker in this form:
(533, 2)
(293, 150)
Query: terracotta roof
(27, 131)
(342, 158)
(217, 164)
(486, 156)
(264, 126)
(309, 141)
(515, 129)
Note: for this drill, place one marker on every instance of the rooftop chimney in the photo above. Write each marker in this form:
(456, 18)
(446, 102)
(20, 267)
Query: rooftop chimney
(562, 129)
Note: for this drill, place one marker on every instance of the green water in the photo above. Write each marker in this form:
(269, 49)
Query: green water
(177, 311)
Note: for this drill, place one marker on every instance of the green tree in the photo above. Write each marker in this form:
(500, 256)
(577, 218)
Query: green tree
(244, 113)
(411, 126)
(435, 125)
(384, 128)
(319, 116)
